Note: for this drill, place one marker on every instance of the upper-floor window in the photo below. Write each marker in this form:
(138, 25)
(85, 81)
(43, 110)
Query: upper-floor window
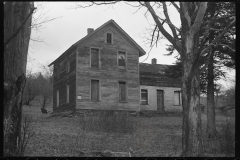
(58, 70)
(94, 58)
(68, 65)
(121, 59)
(109, 38)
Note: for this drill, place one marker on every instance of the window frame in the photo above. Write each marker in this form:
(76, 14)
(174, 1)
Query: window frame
(99, 57)
(106, 42)
(179, 98)
(67, 92)
(99, 90)
(126, 92)
(68, 65)
(147, 100)
(58, 71)
(122, 67)
(57, 98)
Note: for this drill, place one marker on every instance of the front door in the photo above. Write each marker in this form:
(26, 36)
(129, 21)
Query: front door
(160, 101)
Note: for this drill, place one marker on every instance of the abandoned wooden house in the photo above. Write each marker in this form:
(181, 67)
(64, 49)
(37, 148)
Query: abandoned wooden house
(159, 91)
(100, 71)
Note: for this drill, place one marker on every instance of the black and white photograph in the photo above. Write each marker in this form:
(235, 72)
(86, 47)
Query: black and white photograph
(119, 79)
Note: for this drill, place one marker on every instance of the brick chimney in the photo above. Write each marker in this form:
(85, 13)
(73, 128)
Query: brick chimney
(90, 30)
(154, 61)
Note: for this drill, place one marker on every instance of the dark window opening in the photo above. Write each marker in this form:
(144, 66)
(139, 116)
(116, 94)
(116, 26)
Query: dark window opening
(177, 100)
(94, 58)
(109, 38)
(95, 90)
(144, 96)
(122, 92)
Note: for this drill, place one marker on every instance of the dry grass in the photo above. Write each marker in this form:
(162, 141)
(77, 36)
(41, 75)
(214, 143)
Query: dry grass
(148, 136)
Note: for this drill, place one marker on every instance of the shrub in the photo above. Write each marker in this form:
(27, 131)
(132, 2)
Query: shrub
(27, 132)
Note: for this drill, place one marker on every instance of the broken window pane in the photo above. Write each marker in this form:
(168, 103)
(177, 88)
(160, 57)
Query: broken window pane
(122, 59)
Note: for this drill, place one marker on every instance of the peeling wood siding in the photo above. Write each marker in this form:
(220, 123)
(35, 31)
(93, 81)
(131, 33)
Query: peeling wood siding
(168, 98)
(108, 74)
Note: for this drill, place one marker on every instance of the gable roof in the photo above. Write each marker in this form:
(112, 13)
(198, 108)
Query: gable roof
(73, 47)
(157, 75)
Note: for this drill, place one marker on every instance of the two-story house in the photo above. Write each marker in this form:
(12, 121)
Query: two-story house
(100, 71)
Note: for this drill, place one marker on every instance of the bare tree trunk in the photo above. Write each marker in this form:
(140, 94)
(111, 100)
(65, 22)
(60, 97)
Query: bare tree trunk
(17, 31)
(211, 127)
(192, 126)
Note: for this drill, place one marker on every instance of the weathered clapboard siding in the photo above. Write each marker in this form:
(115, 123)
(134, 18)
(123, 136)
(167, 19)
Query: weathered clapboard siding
(108, 74)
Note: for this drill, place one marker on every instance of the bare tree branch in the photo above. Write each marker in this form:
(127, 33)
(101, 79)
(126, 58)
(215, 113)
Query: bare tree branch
(198, 20)
(185, 18)
(165, 11)
(216, 40)
(153, 34)
(220, 44)
(160, 27)
(95, 3)
(176, 6)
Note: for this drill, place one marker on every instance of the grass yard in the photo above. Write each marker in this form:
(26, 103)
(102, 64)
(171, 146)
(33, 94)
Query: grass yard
(146, 135)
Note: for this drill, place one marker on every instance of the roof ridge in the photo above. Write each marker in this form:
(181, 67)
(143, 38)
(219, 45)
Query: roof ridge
(88, 35)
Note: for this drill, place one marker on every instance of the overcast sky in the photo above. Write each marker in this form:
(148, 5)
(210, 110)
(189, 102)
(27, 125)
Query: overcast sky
(58, 35)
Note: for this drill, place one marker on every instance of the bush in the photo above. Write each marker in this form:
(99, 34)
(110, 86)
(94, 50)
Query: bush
(224, 143)
(27, 132)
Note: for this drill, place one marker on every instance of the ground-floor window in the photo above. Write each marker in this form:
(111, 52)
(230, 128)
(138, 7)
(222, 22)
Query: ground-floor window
(57, 98)
(122, 91)
(144, 96)
(95, 90)
(177, 98)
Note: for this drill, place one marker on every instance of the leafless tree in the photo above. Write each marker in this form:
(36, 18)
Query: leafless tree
(187, 41)
(17, 32)
(45, 82)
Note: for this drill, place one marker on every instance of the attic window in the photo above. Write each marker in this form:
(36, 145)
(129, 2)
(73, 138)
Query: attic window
(109, 38)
